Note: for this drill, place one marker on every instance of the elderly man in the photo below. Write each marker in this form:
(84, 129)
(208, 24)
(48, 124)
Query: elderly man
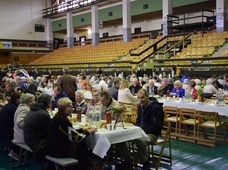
(58, 94)
(135, 87)
(151, 88)
(150, 119)
(80, 102)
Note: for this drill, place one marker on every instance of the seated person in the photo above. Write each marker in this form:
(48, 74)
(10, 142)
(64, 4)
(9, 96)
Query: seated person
(209, 89)
(58, 94)
(22, 110)
(124, 94)
(162, 90)
(178, 91)
(151, 88)
(150, 119)
(80, 102)
(36, 125)
(135, 87)
(94, 106)
(121, 148)
(191, 86)
(58, 144)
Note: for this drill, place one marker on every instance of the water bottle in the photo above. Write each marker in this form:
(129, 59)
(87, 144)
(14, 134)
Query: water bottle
(219, 100)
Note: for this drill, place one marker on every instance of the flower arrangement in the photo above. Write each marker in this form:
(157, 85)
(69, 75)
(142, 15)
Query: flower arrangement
(118, 109)
(117, 112)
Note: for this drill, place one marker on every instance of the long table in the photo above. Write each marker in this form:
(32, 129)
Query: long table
(102, 140)
(222, 110)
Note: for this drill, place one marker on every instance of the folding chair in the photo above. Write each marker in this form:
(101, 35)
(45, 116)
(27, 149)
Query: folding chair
(209, 120)
(158, 156)
(188, 118)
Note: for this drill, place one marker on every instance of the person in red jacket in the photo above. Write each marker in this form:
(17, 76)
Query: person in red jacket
(191, 86)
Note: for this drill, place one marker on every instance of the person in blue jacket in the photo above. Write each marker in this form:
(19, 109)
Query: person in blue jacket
(178, 91)
(58, 94)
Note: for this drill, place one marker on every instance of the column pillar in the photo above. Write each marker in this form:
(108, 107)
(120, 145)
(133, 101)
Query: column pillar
(49, 34)
(221, 15)
(95, 26)
(70, 30)
(167, 9)
(126, 21)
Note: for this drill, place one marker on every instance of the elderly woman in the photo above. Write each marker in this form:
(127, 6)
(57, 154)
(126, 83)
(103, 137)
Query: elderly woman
(124, 94)
(209, 87)
(25, 102)
(58, 144)
(80, 102)
(94, 106)
(178, 90)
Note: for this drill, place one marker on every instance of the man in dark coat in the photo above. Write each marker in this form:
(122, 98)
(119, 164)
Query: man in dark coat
(7, 121)
(36, 123)
(150, 119)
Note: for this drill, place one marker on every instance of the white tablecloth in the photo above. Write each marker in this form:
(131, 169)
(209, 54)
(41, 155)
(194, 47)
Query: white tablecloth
(101, 141)
(222, 110)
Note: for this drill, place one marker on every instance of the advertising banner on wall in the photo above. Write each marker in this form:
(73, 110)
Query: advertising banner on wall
(5, 44)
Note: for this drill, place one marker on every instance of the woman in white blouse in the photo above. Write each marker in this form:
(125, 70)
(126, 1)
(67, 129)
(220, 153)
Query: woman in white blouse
(124, 94)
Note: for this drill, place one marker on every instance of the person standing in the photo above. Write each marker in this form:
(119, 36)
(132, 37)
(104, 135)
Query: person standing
(68, 83)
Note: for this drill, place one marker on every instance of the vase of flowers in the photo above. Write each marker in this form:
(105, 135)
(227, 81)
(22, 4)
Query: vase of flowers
(117, 113)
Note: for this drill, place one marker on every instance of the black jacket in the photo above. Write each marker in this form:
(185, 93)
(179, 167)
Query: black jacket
(151, 118)
(36, 125)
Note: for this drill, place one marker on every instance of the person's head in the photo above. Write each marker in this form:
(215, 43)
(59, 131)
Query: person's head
(143, 97)
(177, 84)
(105, 98)
(9, 87)
(45, 99)
(27, 99)
(58, 90)
(191, 84)
(79, 96)
(209, 81)
(14, 98)
(151, 83)
(124, 84)
(95, 95)
(198, 81)
(165, 82)
(135, 81)
(116, 83)
(65, 106)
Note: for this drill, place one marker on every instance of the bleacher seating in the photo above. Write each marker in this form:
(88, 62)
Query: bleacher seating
(104, 52)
